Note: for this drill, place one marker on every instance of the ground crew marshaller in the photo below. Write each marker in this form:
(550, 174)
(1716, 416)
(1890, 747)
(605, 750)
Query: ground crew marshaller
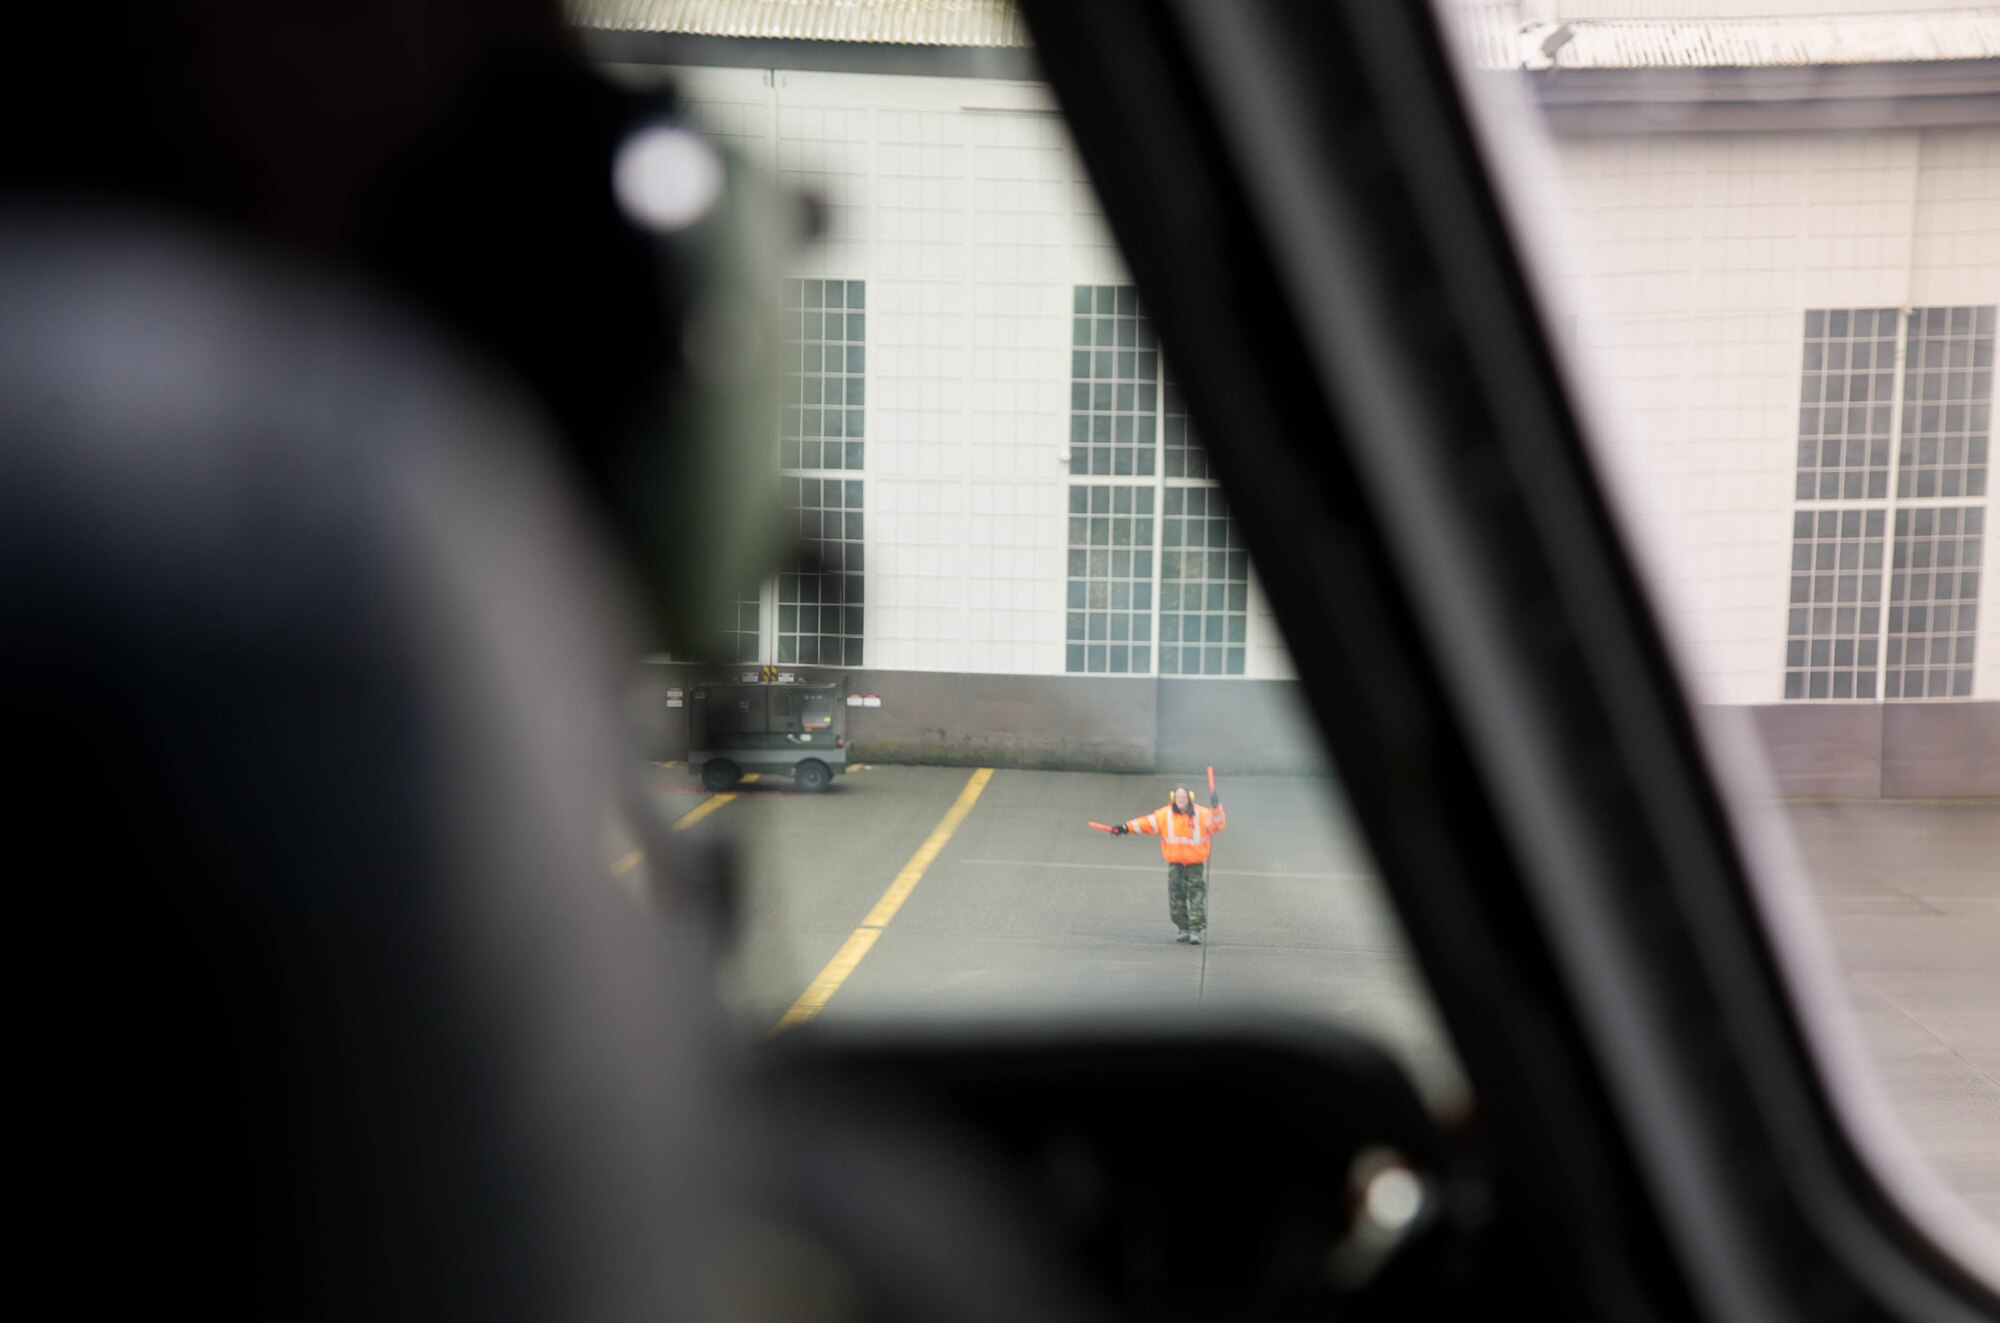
(1185, 830)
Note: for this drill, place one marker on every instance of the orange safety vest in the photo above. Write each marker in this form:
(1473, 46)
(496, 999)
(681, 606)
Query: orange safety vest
(1185, 838)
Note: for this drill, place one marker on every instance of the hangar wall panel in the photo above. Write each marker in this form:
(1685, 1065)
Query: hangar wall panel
(1682, 268)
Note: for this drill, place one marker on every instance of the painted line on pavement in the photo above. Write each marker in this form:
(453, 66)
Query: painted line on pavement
(1154, 868)
(631, 859)
(707, 806)
(862, 940)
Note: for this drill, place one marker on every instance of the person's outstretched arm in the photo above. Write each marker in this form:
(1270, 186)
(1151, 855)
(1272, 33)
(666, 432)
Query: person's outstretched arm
(1148, 825)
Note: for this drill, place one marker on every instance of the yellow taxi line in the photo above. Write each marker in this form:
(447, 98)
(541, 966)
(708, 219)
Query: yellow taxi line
(631, 859)
(706, 807)
(863, 939)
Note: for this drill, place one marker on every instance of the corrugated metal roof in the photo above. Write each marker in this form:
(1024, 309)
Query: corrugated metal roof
(1491, 32)
(991, 24)
(1501, 40)
(1497, 35)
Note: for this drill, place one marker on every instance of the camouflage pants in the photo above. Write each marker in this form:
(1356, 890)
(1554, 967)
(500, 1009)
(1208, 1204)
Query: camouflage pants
(1187, 896)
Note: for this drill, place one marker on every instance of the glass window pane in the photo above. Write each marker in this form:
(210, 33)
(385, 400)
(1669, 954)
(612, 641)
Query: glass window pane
(1799, 453)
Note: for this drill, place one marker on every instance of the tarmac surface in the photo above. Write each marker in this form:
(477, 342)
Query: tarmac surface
(1908, 892)
(910, 893)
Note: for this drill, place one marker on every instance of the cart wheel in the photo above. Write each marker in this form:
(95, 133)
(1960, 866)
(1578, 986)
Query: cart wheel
(719, 774)
(813, 775)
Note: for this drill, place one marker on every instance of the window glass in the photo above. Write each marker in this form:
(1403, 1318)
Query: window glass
(1032, 610)
(1765, 250)
(1773, 281)
(1126, 421)
(1204, 586)
(1111, 559)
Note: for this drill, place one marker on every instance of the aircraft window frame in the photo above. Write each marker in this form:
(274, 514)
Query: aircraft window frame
(1545, 657)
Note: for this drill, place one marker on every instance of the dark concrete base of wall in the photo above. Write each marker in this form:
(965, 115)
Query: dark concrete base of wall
(1822, 748)
(1941, 749)
(1882, 750)
(1069, 722)
(1120, 724)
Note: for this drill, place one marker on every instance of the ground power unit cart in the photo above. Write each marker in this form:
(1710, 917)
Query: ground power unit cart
(768, 726)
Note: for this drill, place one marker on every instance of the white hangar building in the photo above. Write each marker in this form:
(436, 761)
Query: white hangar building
(1774, 248)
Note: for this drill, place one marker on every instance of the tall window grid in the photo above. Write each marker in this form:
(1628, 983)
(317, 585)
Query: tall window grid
(737, 634)
(1185, 459)
(1114, 385)
(1947, 403)
(1110, 617)
(1934, 602)
(744, 634)
(1846, 401)
(825, 379)
(1890, 402)
(1166, 594)
(1835, 617)
(821, 600)
(737, 638)
(1204, 586)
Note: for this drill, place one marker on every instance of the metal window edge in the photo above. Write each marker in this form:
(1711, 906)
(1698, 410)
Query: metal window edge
(1712, 1174)
(1005, 63)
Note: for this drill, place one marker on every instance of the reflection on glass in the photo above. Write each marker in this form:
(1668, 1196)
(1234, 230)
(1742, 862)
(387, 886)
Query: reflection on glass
(1780, 281)
(1011, 556)
(1784, 318)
